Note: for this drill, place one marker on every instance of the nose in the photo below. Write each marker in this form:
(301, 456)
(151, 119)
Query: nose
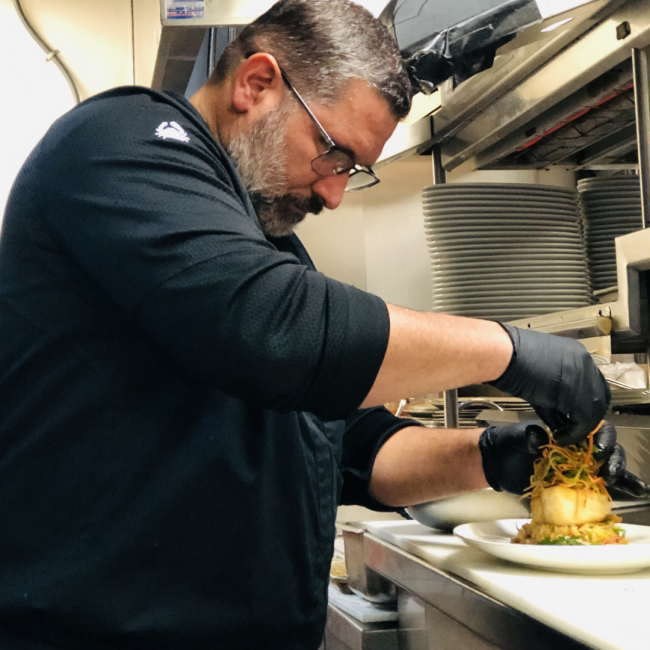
(331, 189)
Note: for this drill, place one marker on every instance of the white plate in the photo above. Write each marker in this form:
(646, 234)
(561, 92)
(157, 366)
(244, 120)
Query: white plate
(493, 304)
(532, 235)
(608, 186)
(489, 298)
(602, 233)
(494, 538)
(547, 213)
(618, 202)
(601, 246)
(531, 239)
(594, 198)
(548, 284)
(502, 225)
(612, 229)
(499, 187)
(479, 202)
(610, 219)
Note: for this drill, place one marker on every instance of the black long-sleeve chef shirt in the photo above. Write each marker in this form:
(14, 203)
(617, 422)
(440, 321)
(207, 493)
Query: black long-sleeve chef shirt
(178, 397)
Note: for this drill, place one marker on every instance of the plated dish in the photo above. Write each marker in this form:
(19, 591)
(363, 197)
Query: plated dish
(572, 528)
(495, 537)
(570, 504)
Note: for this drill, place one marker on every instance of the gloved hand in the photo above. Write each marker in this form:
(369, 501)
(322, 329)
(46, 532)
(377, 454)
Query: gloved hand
(558, 378)
(508, 453)
(607, 450)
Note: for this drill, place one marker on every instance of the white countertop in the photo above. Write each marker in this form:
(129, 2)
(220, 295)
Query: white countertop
(606, 612)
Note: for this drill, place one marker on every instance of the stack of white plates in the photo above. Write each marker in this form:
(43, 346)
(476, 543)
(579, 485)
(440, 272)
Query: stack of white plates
(505, 251)
(611, 207)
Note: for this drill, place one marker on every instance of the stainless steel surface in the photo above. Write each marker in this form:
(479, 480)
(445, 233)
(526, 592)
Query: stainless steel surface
(476, 143)
(594, 125)
(618, 384)
(412, 622)
(430, 410)
(479, 401)
(445, 633)
(641, 64)
(580, 323)
(361, 580)
(177, 52)
(463, 103)
(486, 618)
(344, 632)
(241, 12)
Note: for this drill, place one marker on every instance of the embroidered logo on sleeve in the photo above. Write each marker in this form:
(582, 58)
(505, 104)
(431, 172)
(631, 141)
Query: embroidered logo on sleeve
(172, 131)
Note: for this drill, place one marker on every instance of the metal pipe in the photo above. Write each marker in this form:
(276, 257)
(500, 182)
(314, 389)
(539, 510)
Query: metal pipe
(641, 65)
(52, 55)
(439, 173)
(212, 42)
(451, 396)
(451, 409)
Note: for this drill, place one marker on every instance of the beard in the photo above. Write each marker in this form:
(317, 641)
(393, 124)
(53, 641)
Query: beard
(261, 161)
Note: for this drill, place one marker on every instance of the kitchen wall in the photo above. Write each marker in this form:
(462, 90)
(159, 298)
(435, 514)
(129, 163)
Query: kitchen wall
(103, 44)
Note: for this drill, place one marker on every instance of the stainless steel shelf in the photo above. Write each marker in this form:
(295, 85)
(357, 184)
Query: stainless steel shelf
(573, 106)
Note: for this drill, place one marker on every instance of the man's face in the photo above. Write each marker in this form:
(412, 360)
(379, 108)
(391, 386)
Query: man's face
(274, 156)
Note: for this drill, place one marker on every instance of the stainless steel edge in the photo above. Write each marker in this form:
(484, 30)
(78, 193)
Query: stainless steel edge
(581, 62)
(641, 65)
(355, 635)
(498, 624)
(460, 105)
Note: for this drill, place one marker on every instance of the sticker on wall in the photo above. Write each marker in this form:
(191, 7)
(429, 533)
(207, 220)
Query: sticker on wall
(185, 8)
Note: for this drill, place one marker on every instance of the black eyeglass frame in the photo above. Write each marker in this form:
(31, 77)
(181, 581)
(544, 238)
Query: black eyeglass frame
(354, 168)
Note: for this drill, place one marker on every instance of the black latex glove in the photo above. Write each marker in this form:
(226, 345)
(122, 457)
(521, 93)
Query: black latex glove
(509, 452)
(558, 378)
(612, 455)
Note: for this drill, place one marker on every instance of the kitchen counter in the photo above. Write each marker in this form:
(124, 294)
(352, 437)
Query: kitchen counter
(507, 605)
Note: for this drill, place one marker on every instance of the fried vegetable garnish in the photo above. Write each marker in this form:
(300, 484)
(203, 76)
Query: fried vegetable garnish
(569, 501)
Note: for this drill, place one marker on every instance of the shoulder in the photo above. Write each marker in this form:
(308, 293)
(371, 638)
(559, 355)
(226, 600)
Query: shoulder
(133, 128)
(135, 121)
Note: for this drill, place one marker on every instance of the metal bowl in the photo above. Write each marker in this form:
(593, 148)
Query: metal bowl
(484, 505)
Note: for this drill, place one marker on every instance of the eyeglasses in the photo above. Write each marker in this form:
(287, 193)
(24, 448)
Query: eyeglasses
(336, 160)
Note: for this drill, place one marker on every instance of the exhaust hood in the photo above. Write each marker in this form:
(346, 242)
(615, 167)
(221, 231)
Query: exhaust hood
(184, 24)
(229, 13)
(463, 36)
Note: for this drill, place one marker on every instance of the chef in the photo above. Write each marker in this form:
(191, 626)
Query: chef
(185, 400)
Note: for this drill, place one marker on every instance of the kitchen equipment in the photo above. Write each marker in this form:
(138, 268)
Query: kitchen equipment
(483, 505)
(430, 410)
(363, 581)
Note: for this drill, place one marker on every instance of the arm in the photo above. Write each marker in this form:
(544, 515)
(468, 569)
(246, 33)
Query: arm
(417, 465)
(431, 352)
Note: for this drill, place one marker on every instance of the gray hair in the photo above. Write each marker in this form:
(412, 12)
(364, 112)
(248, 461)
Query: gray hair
(323, 44)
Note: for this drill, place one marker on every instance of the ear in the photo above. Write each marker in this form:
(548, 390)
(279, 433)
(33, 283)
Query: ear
(257, 85)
